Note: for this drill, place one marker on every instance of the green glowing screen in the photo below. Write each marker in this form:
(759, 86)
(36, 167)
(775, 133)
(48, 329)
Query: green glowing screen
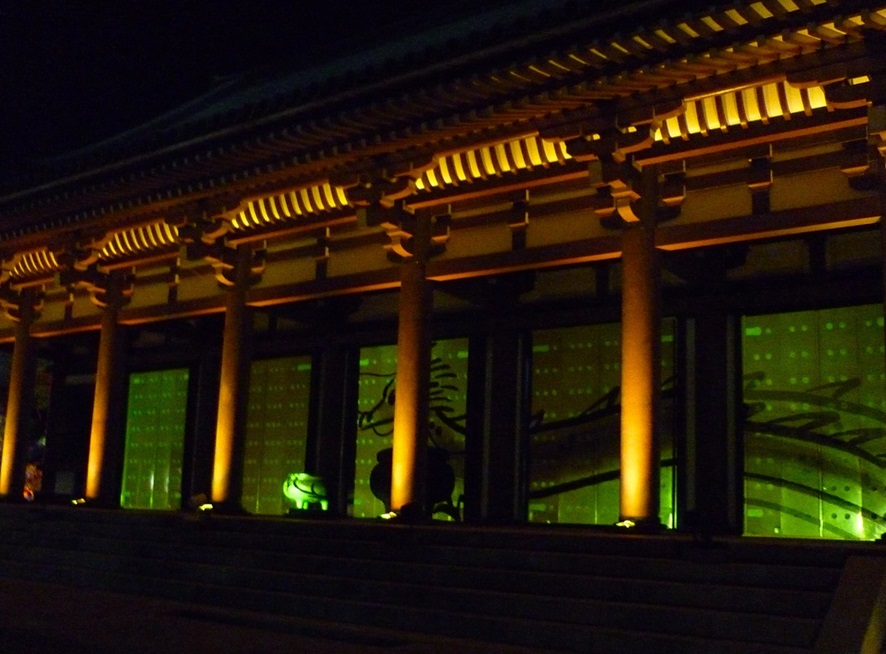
(155, 432)
(574, 433)
(276, 431)
(815, 424)
(378, 366)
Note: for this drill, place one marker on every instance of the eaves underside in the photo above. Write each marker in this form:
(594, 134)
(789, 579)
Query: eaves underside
(614, 82)
(474, 182)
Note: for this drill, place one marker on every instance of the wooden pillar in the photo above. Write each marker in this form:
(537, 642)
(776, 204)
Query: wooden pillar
(333, 421)
(20, 402)
(106, 435)
(713, 457)
(414, 239)
(499, 397)
(233, 386)
(410, 437)
(641, 365)
(203, 388)
(506, 430)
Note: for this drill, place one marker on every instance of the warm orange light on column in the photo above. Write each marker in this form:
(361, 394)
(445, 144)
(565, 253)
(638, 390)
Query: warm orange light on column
(640, 376)
(411, 403)
(20, 376)
(101, 408)
(228, 395)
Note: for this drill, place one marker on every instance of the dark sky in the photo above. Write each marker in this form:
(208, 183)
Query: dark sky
(76, 71)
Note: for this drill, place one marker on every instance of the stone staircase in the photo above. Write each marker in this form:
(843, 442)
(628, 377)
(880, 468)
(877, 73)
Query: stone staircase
(571, 589)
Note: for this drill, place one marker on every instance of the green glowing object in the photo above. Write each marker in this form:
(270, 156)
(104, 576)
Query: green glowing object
(305, 491)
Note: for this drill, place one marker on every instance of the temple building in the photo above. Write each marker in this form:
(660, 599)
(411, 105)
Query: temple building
(574, 264)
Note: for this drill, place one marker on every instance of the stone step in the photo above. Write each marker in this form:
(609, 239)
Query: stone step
(199, 566)
(527, 621)
(568, 589)
(720, 564)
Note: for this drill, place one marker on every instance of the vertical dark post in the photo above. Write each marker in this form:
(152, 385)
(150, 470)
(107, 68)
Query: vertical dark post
(505, 445)
(497, 443)
(20, 403)
(203, 388)
(714, 458)
(333, 421)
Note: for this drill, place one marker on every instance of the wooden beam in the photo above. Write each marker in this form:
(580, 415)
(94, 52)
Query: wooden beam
(377, 280)
(836, 215)
(759, 134)
(585, 251)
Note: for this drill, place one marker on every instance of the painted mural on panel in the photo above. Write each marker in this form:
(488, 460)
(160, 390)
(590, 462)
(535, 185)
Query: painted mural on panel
(815, 424)
(576, 408)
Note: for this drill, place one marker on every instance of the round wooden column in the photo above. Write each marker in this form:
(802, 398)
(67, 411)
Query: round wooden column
(413, 379)
(106, 434)
(640, 377)
(233, 387)
(19, 405)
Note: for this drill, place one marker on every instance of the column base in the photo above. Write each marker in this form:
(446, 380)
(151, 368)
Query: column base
(221, 508)
(641, 525)
(407, 514)
(311, 514)
(94, 503)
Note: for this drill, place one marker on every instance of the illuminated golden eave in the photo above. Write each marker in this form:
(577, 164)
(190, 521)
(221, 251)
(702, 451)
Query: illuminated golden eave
(31, 265)
(450, 169)
(309, 200)
(739, 107)
(139, 241)
(493, 160)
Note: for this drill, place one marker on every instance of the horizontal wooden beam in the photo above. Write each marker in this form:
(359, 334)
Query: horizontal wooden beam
(836, 215)
(575, 252)
(759, 134)
(368, 282)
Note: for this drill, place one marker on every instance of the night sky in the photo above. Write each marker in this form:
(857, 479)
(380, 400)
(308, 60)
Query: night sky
(76, 71)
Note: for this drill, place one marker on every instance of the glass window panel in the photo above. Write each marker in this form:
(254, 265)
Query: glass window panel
(155, 432)
(815, 424)
(276, 431)
(576, 409)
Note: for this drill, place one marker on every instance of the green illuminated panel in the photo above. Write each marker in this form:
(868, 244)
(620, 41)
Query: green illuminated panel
(815, 430)
(276, 431)
(378, 367)
(449, 374)
(155, 430)
(574, 452)
(378, 370)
